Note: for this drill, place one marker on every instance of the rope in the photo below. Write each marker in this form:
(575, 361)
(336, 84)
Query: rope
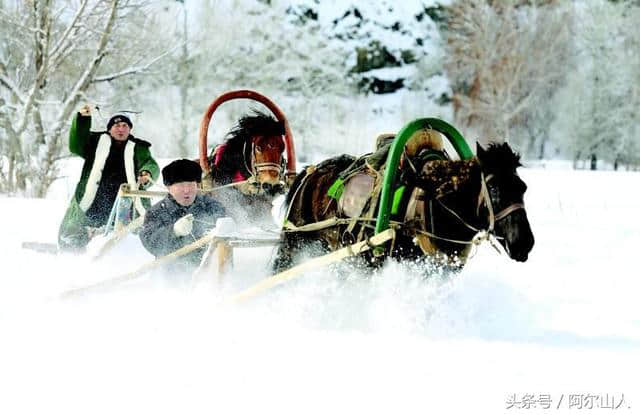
(433, 235)
(452, 212)
(484, 194)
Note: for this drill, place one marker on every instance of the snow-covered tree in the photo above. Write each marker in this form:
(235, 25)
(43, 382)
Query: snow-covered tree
(54, 55)
(384, 41)
(599, 102)
(504, 60)
(391, 53)
(247, 44)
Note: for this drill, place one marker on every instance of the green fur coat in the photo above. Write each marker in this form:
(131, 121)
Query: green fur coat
(106, 162)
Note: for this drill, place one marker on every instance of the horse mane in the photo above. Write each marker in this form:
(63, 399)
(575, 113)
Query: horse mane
(445, 176)
(335, 164)
(256, 123)
(441, 177)
(500, 156)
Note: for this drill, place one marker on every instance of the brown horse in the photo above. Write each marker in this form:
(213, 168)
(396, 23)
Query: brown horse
(444, 206)
(251, 161)
(251, 152)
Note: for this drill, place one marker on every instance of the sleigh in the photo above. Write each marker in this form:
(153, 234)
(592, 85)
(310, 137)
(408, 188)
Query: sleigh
(391, 212)
(386, 227)
(267, 173)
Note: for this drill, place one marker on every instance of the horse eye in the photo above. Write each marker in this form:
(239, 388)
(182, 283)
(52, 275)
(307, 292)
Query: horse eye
(259, 149)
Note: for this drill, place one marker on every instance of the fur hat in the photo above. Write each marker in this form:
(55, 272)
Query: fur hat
(119, 118)
(182, 170)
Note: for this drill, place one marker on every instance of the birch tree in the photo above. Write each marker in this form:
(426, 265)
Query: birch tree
(504, 60)
(56, 54)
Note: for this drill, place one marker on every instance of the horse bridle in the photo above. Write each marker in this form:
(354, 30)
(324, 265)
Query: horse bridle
(485, 198)
(253, 185)
(257, 168)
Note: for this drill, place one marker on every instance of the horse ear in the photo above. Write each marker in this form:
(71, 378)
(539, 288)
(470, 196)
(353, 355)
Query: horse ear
(480, 152)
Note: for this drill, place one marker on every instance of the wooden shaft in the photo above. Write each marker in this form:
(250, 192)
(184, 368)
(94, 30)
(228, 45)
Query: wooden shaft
(126, 192)
(118, 235)
(224, 252)
(144, 193)
(140, 271)
(311, 264)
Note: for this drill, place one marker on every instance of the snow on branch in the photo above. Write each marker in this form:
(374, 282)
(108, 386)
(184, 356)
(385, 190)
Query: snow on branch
(85, 78)
(132, 70)
(72, 26)
(8, 83)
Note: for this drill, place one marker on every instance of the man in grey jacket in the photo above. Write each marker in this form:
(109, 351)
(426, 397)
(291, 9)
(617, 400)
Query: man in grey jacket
(182, 217)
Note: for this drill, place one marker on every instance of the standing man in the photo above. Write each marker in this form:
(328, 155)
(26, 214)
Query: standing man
(182, 217)
(111, 157)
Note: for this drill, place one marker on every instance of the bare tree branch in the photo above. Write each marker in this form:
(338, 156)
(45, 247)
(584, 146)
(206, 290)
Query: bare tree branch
(8, 83)
(70, 28)
(130, 70)
(84, 80)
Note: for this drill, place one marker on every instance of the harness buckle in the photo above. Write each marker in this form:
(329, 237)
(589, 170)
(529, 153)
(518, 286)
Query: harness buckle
(480, 237)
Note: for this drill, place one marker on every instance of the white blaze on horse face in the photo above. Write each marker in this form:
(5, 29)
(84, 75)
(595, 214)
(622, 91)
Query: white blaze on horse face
(120, 131)
(184, 192)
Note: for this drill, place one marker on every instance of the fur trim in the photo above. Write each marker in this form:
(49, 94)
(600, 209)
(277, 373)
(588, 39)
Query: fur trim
(182, 170)
(93, 181)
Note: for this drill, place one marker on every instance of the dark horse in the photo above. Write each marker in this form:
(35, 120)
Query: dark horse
(446, 205)
(251, 162)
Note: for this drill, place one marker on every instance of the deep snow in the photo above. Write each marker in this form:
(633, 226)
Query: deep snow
(562, 327)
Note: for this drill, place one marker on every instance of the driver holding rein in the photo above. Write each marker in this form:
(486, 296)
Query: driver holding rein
(182, 217)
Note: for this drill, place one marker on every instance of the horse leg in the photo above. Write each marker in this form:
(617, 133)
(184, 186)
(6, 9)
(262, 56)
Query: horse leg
(287, 249)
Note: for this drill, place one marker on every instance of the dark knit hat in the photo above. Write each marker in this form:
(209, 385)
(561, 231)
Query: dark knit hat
(182, 170)
(119, 118)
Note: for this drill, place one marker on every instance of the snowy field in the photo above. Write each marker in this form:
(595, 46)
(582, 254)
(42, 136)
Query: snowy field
(554, 335)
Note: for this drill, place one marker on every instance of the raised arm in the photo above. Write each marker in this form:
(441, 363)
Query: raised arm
(80, 131)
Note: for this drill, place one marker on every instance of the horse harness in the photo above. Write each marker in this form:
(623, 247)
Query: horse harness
(358, 189)
(260, 167)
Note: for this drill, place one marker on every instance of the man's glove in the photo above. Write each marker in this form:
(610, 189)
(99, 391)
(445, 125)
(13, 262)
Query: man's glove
(183, 226)
(85, 110)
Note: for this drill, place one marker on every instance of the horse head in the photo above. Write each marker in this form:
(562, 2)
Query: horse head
(504, 199)
(259, 139)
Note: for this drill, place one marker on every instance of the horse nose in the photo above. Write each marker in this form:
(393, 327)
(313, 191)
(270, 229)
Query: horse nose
(521, 256)
(523, 247)
(269, 176)
(272, 189)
